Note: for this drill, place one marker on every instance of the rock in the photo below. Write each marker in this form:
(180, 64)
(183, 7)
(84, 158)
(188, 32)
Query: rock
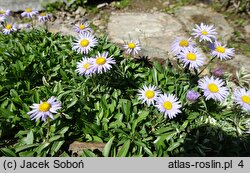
(166, 4)
(102, 5)
(247, 31)
(97, 22)
(102, 27)
(240, 61)
(154, 9)
(80, 10)
(20, 5)
(78, 147)
(65, 29)
(155, 31)
(191, 15)
(77, 17)
(154, 52)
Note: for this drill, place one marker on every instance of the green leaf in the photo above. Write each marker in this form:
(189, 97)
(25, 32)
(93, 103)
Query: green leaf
(41, 147)
(54, 138)
(62, 131)
(55, 147)
(88, 153)
(124, 149)
(193, 115)
(72, 102)
(142, 116)
(64, 75)
(165, 136)
(158, 66)
(173, 146)
(29, 139)
(107, 147)
(163, 130)
(126, 108)
(148, 151)
(184, 125)
(6, 113)
(7, 152)
(155, 77)
(27, 154)
(36, 96)
(25, 147)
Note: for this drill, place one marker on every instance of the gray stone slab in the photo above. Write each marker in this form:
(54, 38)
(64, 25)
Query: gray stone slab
(240, 61)
(20, 5)
(191, 15)
(156, 31)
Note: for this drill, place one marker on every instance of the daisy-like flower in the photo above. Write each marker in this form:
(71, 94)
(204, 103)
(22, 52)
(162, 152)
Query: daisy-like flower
(44, 109)
(132, 47)
(8, 28)
(82, 28)
(29, 13)
(242, 98)
(221, 51)
(148, 94)
(181, 43)
(2, 18)
(44, 17)
(101, 63)
(4, 12)
(204, 32)
(85, 43)
(169, 105)
(83, 67)
(213, 88)
(192, 58)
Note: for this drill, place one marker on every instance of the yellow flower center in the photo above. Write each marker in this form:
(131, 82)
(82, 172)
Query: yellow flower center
(28, 10)
(167, 105)
(86, 66)
(44, 107)
(2, 12)
(220, 49)
(43, 14)
(149, 94)
(81, 27)
(213, 88)
(8, 26)
(84, 42)
(184, 43)
(100, 61)
(191, 56)
(204, 32)
(245, 99)
(131, 45)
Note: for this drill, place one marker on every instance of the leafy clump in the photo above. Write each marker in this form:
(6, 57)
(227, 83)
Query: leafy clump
(104, 108)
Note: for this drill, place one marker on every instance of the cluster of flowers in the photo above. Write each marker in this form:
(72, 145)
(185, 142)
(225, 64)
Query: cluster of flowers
(102, 62)
(28, 13)
(166, 103)
(86, 41)
(186, 51)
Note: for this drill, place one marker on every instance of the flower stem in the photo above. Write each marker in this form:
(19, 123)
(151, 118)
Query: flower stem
(48, 130)
(206, 66)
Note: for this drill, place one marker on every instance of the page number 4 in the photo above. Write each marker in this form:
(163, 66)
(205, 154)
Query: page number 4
(240, 164)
